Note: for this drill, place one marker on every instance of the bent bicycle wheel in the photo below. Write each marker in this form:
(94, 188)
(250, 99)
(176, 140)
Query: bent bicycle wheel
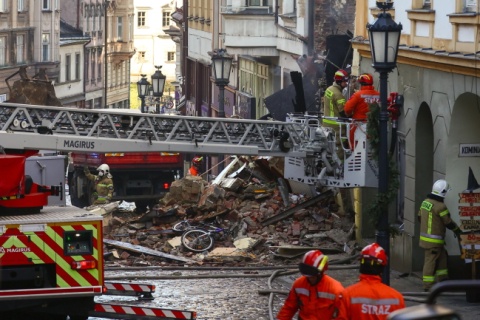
(197, 240)
(181, 226)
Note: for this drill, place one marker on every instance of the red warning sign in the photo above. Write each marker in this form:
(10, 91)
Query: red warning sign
(469, 211)
(469, 197)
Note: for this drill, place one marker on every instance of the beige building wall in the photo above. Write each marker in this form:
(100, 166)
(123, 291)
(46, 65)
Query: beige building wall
(437, 72)
(118, 50)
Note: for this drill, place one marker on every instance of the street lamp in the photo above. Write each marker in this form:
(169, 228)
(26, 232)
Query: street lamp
(384, 35)
(221, 66)
(142, 88)
(158, 84)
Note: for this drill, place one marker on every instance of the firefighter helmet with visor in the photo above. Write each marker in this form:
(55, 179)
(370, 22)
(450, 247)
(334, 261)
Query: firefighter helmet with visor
(197, 160)
(374, 252)
(340, 75)
(103, 169)
(314, 262)
(440, 188)
(365, 79)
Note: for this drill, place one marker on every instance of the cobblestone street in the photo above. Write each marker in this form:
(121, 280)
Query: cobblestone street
(234, 294)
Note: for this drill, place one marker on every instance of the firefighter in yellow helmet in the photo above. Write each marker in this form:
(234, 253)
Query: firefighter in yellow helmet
(435, 218)
(333, 106)
(103, 184)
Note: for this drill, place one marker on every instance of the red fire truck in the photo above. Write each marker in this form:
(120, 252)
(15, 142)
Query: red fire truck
(51, 257)
(140, 177)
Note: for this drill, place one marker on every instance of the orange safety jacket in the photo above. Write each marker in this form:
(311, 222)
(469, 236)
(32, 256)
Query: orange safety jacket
(193, 171)
(313, 302)
(368, 299)
(357, 106)
(435, 218)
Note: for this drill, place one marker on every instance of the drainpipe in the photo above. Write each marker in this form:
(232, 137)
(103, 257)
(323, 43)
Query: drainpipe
(105, 45)
(311, 21)
(186, 90)
(276, 11)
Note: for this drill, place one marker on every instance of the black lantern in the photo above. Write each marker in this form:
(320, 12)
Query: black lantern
(384, 35)
(142, 88)
(221, 67)
(158, 84)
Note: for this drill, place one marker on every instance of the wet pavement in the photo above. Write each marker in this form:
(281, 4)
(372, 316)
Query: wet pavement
(234, 294)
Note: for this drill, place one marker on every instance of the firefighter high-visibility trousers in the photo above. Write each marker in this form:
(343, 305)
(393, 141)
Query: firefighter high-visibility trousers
(434, 266)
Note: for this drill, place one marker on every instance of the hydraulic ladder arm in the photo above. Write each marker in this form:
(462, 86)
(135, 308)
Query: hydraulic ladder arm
(80, 130)
(309, 148)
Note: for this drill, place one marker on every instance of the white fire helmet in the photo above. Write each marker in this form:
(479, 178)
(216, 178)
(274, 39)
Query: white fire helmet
(103, 169)
(440, 188)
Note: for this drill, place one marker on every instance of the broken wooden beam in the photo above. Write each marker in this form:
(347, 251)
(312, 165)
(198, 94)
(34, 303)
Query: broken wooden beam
(285, 214)
(140, 249)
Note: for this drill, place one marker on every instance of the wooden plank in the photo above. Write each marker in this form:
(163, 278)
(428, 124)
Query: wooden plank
(140, 249)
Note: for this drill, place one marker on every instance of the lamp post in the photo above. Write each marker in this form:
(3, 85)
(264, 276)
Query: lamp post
(158, 84)
(221, 66)
(142, 88)
(384, 35)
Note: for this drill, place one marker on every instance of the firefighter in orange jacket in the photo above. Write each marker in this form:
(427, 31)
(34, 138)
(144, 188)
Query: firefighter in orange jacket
(196, 164)
(369, 299)
(314, 293)
(435, 218)
(357, 106)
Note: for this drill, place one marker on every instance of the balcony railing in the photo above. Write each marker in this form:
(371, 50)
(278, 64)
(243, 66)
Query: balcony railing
(245, 9)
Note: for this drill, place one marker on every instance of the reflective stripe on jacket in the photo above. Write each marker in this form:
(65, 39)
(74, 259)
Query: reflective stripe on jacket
(368, 299)
(434, 217)
(313, 302)
(103, 185)
(333, 102)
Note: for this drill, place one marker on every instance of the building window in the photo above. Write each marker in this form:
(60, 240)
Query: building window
(77, 66)
(45, 47)
(20, 48)
(92, 65)
(171, 56)
(3, 51)
(99, 64)
(470, 5)
(257, 3)
(3, 5)
(141, 56)
(166, 18)
(68, 66)
(141, 19)
(94, 18)
(119, 28)
(130, 27)
(45, 4)
(20, 6)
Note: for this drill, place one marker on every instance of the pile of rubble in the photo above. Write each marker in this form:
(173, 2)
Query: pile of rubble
(269, 220)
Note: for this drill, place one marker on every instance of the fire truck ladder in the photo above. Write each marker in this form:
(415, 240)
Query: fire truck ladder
(79, 130)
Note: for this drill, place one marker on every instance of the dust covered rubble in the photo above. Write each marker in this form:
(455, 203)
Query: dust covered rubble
(236, 203)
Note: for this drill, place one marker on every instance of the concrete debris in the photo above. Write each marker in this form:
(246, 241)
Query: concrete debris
(266, 218)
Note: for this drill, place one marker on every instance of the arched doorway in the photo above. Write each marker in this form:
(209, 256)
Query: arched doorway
(464, 129)
(423, 170)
